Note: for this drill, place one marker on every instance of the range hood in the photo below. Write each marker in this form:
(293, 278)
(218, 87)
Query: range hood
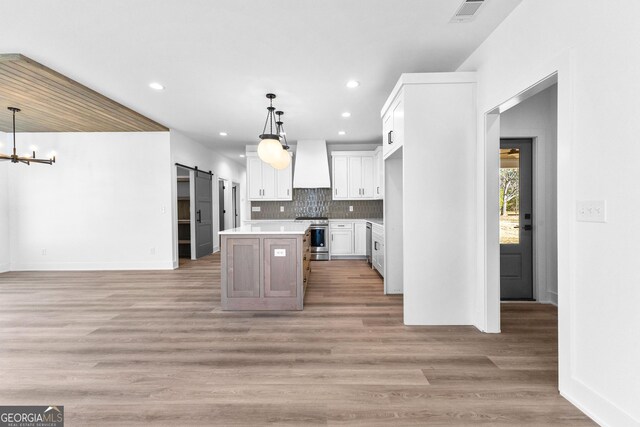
(311, 168)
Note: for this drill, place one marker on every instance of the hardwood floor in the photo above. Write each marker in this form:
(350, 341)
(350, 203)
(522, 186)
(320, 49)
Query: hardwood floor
(154, 348)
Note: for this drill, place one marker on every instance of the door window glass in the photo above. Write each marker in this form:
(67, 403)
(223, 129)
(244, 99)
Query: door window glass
(509, 196)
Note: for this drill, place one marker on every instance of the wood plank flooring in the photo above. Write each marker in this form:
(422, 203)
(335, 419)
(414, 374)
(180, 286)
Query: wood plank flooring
(154, 348)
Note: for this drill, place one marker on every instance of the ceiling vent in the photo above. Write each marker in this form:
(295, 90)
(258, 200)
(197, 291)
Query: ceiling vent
(467, 11)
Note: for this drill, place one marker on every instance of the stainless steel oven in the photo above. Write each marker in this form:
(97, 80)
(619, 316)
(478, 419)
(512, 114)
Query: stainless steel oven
(319, 237)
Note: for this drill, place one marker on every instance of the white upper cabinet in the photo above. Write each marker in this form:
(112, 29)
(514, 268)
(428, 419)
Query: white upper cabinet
(393, 126)
(266, 183)
(353, 175)
(378, 174)
(340, 178)
(283, 182)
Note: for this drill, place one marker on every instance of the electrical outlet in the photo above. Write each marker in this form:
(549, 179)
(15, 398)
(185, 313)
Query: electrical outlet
(350, 208)
(279, 252)
(163, 209)
(153, 251)
(44, 252)
(281, 208)
(255, 208)
(591, 211)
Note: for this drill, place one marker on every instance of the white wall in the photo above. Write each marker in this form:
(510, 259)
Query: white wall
(191, 153)
(537, 118)
(592, 46)
(103, 205)
(4, 206)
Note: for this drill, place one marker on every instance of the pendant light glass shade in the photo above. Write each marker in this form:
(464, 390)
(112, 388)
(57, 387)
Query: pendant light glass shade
(283, 161)
(269, 150)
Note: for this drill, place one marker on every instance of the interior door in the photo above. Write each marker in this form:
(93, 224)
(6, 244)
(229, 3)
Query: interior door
(204, 214)
(228, 205)
(516, 230)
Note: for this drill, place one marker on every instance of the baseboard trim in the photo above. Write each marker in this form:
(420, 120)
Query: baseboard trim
(606, 413)
(552, 298)
(92, 266)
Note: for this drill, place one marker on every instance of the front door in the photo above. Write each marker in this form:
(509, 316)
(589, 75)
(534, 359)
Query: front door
(204, 214)
(516, 235)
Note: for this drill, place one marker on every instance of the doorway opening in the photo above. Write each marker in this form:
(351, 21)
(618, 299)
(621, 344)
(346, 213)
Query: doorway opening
(184, 212)
(516, 230)
(235, 211)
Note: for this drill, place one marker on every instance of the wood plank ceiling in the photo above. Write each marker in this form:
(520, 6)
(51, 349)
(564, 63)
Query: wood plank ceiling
(51, 102)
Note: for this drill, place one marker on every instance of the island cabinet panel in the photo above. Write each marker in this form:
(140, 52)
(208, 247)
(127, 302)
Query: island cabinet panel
(280, 268)
(243, 261)
(263, 270)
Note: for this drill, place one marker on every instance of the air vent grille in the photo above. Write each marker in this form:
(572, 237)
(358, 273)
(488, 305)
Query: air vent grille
(467, 11)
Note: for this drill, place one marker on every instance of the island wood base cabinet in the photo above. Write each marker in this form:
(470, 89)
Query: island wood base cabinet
(264, 271)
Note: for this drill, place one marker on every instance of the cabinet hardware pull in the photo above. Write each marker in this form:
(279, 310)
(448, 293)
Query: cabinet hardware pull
(375, 246)
(199, 215)
(336, 191)
(389, 140)
(287, 191)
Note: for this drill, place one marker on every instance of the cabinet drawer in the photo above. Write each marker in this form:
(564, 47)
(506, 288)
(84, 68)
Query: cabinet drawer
(342, 225)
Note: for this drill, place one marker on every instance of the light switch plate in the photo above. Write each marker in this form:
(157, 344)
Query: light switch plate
(591, 211)
(281, 208)
(255, 208)
(350, 208)
(279, 252)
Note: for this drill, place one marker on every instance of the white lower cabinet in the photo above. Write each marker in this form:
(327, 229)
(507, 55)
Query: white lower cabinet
(360, 238)
(377, 250)
(348, 238)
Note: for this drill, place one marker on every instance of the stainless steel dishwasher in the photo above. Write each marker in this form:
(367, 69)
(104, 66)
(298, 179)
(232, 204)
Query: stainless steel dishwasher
(368, 243)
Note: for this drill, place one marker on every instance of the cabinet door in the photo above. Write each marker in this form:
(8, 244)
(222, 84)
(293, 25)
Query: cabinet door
(341, 242)
(367, 177)
(387, 131)
(393, 126)
(378, 172)
(355, 177)
(280, 268)
(254, 177)
(243, 267)
(268, 181)
(283, 180)
(360, 238)
(340, 177)
(398, 123)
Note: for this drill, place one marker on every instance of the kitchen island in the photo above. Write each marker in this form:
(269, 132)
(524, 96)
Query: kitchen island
(265, 266)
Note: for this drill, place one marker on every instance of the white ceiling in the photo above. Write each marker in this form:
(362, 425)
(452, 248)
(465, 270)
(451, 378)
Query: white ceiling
(217, 59)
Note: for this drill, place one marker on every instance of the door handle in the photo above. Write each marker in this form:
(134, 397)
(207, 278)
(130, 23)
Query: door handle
(389, 140)
(199, 215)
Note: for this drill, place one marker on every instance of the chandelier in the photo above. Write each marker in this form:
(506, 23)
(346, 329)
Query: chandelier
(20, 159)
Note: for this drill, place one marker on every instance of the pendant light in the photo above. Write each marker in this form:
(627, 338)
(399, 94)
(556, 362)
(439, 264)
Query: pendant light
(269, 148)
(20, 159)
(284, 157)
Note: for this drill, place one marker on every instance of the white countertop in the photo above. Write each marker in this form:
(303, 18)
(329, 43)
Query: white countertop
(378, 221)
(270, 227)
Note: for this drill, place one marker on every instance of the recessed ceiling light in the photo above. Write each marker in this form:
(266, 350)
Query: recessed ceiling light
(346, 114)
(241, 155)
(223, 134)
(156, 86)
(342, 132)
(353, 84)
